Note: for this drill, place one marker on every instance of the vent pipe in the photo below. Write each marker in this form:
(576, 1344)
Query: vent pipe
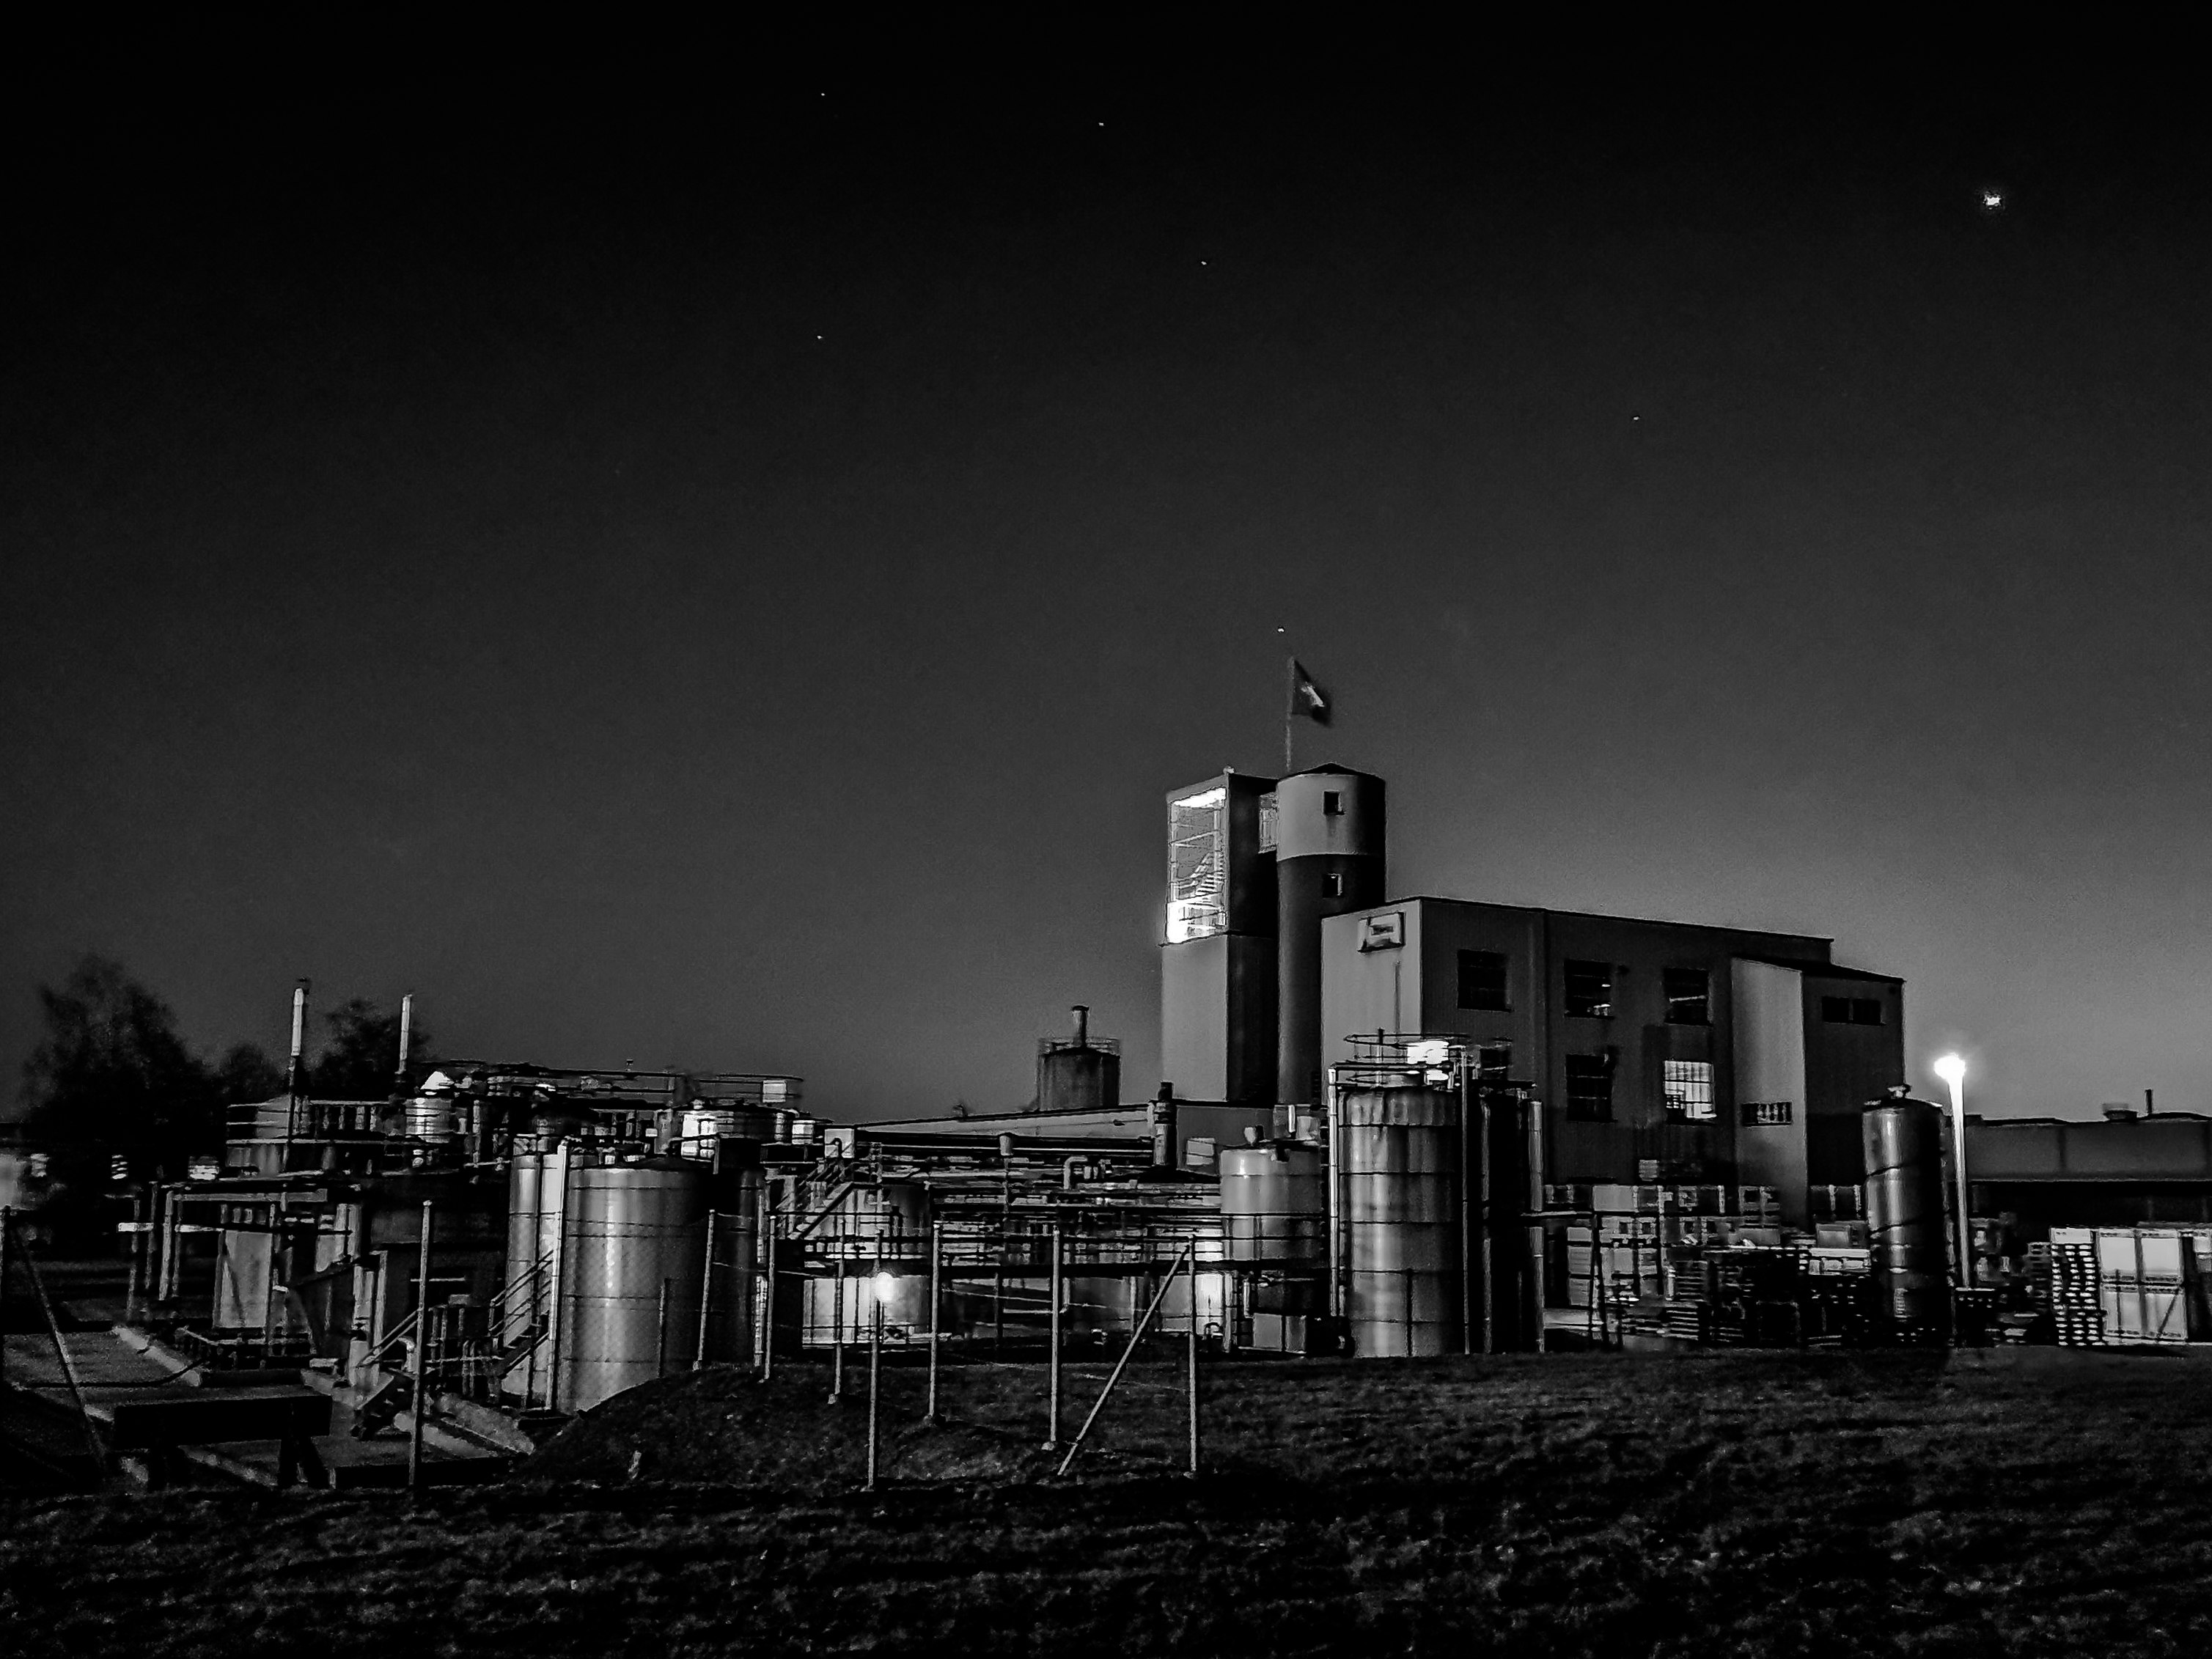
(406, 1033)
(298, 1080)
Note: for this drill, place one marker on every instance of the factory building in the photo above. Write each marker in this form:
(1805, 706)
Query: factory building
(1659, 1050)
(1254, 864)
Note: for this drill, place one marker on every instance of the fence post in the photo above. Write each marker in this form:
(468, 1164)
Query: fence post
(767, 1308)
(1051, 1428)
(1190, 1375)
(875, 1362)
(7, 1226)
(838, 1333)
(1135, 1336)
(422, 1353)
(706, 1295)
(660, 1332)
(936, 1252)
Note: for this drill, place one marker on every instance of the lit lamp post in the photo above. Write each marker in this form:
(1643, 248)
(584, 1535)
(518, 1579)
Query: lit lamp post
(1953, 1070)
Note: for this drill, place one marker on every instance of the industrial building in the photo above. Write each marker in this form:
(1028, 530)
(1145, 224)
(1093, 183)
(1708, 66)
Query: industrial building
(1661, 1051)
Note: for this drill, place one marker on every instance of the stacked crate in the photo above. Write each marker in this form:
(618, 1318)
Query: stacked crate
(2142, 1275)
(2076, 1308)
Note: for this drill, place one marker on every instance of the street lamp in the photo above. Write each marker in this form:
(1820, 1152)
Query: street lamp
(1953, 1070)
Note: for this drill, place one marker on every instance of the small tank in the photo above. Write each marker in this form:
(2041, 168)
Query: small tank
(1400, 1169)
(1274, 1202)
(1903, 1139)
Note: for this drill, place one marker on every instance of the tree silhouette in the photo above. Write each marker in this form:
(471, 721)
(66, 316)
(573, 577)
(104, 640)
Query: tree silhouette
(363, 1052)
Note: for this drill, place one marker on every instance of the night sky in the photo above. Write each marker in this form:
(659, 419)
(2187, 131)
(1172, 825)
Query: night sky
(732, 585)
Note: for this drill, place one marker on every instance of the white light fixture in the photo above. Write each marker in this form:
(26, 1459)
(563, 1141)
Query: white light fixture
(1953, 1070)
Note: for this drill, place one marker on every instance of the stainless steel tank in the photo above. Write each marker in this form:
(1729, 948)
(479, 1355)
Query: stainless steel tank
(701, 1126)
(733, 1287)
(882, 1235)
(1903, 1141)
(432, 1117)
(633, 1242)
(533, 1233)
(1400, 1166)
(1274, 1202)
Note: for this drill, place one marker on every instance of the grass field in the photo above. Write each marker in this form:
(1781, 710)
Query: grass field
(2023, 1501)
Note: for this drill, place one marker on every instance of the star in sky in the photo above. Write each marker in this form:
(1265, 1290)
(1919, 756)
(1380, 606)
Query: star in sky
(1992, 199)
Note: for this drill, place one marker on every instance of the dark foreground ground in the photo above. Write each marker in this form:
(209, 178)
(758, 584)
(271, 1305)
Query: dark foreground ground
(2029, 1501)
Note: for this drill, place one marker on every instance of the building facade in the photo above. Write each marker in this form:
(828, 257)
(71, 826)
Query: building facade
(1660, 1049)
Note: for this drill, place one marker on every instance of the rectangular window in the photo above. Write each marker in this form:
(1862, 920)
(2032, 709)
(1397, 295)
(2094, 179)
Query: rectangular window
(1197, 866)
(1482, 979)
(1689, 996)
(1332, 885)
(1590, 1089)
(1766, 1114)
(1851, 1011)
(1590, 989)
(1331, 803)
(1688, 1090)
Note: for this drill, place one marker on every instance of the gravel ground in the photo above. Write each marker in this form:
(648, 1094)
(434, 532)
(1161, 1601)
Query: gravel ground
(2029, 1501)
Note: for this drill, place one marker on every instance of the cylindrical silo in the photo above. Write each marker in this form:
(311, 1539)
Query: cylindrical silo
(1274, 1202)
(1400, 1166)
(533, 1233)
(1329, 859)
(631, 1261)
(738, 1199)
(1902, 1141)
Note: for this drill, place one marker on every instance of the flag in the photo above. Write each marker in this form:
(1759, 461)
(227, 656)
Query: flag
(1306, 697)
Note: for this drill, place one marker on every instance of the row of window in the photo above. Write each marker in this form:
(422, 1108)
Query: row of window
(1685, 1090)
(1484, 985)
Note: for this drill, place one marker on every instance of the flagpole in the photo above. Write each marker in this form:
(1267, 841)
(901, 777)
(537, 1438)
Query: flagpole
(1289, 707)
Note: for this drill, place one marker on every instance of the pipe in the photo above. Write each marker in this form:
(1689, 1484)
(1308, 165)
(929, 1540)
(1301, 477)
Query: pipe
(875, 1365)
(406, 1032)
(1079, 1023)
(936, 1252)
(422, 1353)
(1190, 1373)
(1052, 1420)
(1466, 1211)
(706, 1294)
(837, 1333)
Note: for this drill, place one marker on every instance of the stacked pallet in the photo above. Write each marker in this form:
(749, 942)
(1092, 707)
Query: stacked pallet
(2077, 1309)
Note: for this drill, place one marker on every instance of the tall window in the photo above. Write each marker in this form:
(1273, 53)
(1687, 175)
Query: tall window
(1851, 1011)
(1482, 979)
(1589, 1088)
(1688, 1086)
(1590, 989)
(1689, 996)
(1197, 870)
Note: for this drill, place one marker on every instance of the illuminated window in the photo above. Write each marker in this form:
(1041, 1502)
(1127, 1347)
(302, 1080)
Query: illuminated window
(1590, 989)
(1197, 872)
(1689, 996)
(1590, 1089)
(1766, 1114)
(1688, 1089)
(1267, 821)
(1482, 979)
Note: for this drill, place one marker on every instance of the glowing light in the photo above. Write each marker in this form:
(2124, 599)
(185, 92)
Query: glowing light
(884, 1283)
(1952, 1070)
(1992, 200)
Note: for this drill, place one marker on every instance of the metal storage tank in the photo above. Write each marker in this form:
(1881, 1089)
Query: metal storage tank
(1079, 1072)
(533, 1233)
(630, 1230)
(435, 1113)
(1329, 839)
(888, 1224)
(1274, 1202)
(739, 1201)
(1399, 1166)
(1902, 1141)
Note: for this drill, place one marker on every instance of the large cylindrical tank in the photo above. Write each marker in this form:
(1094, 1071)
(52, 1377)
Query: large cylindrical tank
(1274, 1202)
(1329, 859)
(632, 1242)
(533, 1232)
(431, 1117)
(733, 1286)
(1400, 1168)
(1903, 1141)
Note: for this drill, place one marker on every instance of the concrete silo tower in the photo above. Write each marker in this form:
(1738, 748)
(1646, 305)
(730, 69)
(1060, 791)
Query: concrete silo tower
(1330, 839)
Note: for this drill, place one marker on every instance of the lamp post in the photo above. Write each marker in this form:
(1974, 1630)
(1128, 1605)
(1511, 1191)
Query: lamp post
(1953, 1070)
